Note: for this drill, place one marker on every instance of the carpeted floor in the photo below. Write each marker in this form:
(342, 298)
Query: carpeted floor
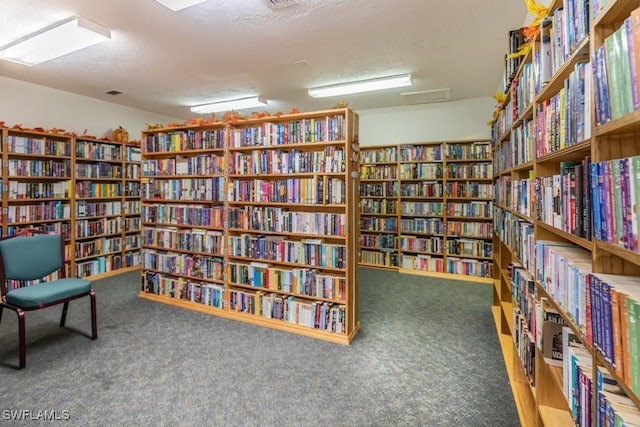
(427, 355)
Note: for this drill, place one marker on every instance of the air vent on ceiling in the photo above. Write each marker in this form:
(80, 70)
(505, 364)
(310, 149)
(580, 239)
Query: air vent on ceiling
(113, 92)
(426, 96)
(279, 4)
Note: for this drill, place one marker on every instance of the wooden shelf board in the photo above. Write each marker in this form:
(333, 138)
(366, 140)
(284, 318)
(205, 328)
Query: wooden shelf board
(113, 273)
(552, 417)
(382, 267)
(451, 276)
(255, 320)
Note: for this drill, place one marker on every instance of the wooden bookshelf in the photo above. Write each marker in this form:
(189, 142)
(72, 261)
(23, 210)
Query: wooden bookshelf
(67, 184)
(426, 208)
(277, 232)
(564, 177)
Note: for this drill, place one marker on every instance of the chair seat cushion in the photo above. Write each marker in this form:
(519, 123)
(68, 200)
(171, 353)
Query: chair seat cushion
(47, 292)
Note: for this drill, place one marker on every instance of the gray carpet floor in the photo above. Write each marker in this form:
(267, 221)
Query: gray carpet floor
(427, 354)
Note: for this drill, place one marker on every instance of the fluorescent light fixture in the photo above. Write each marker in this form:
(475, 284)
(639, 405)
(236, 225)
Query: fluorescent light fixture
(56, 40)
(236, 104)
(177, 5)
(361, 86)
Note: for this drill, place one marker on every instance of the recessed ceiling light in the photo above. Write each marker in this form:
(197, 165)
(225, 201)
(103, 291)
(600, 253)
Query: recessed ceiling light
(113, 92)
(279, 4)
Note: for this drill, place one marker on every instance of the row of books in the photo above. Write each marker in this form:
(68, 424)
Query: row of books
(470, 209)
(98, 247)
(387, 172)
(523, 199)
(188, 265)
(522, 90)
(368, 223)
(211, 294)
(88, 189)
(132, 171)
(107, 208)
(469, 171)
(421, 189)
(420, 171)
(564, 200)
(469, 248)
(380, 155)
(63, 228)
(301, 281)
(201, 164)
(132, 224)
(565, 119)
(615, 193)
(105, 264)
(133, 154)
(38, 190)
(327, 129)
(422, 262)
(311, 252)
(422, 226)
(381, 258)
(44, 211)
(179, 141)
(132, 241)
(518, 149)
(45, 168)
(185, 239)
(616, 64)
(91, 150)
(42, 146)
(380, 241)
(331, 160)
(470, 189)
(98, 170)
(480, 230)
(318, 315)
(480, 150)
(421, 153)
(432, 245)
(308, 191)
(98, 227)
(283, 220)
(379, 189)
(379, 206)
(469, 267)
(184, 215)
(188, 189)
(421, 208)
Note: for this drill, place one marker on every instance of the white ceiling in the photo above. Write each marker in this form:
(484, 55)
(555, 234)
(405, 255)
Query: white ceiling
(165, 61)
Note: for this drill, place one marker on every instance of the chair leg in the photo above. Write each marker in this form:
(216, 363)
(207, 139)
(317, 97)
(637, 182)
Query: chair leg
(22, 346)
(63, 318)
(94, 321)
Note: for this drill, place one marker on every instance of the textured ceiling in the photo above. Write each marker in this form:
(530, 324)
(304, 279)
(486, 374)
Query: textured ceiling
(165, 61)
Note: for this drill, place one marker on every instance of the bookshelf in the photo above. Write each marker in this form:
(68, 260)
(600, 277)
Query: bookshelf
(426, 208)
(73, 186)
(565, 236)
(379, 207)
(276, 223)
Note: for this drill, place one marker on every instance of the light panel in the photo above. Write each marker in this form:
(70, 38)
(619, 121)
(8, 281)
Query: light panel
(235, 104)
(177, 5)
(361, 86)
(55, 41)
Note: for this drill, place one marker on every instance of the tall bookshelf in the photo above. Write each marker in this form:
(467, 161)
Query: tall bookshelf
(426, 208)
(565, 240)
(73, 186)
(277, 232)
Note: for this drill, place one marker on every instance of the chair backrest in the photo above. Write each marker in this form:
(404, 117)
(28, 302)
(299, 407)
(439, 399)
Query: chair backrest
(31, 257)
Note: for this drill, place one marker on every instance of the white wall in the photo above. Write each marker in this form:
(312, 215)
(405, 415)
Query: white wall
(456, 120)
(31, 105)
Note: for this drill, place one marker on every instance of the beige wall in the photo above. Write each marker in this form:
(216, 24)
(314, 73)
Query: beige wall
(456, 120)
(33, 105)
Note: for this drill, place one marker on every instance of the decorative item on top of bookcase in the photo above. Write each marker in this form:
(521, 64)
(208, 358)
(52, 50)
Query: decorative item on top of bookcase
(566, 257)
(272, 242)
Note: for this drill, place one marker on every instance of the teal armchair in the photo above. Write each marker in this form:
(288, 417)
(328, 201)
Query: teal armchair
(29, 256)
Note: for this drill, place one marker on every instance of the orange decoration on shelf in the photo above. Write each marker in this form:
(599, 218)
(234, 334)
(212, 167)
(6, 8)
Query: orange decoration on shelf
(120, 135)
(294, 110)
